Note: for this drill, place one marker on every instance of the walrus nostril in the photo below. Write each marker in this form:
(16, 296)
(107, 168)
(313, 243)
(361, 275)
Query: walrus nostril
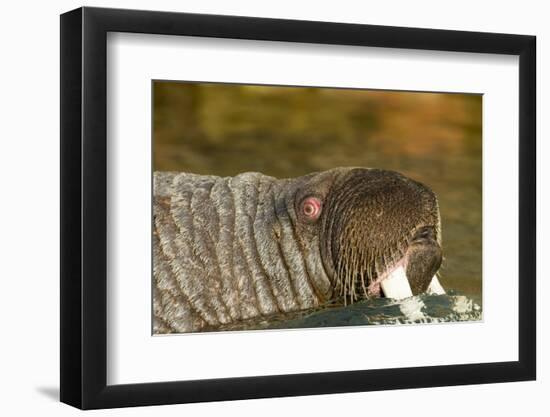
(424, 257)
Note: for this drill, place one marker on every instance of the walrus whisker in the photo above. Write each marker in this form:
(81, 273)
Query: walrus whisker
(365, 292)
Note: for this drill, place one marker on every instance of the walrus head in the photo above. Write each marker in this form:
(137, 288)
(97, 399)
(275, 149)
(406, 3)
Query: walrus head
(369, 225)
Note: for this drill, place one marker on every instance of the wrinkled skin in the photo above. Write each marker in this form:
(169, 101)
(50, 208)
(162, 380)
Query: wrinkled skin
(229, 250)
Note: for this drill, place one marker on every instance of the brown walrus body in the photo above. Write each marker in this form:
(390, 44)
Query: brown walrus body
(227, 250)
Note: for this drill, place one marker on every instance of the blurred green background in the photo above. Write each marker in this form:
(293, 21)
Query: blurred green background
(435, 138)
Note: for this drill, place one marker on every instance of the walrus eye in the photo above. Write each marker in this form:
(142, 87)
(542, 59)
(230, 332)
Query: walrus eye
(311, 208)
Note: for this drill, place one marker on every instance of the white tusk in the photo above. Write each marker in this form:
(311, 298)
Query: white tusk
(435, 287)
(396, 285)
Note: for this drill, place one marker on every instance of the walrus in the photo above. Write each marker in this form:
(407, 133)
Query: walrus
(231, 249)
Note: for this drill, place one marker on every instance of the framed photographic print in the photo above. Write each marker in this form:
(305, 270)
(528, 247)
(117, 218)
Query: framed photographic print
(258, 207)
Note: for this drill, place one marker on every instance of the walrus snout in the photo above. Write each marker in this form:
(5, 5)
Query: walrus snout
(380, 224)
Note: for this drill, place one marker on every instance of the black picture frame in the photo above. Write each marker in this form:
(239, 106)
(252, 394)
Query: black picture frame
(84, 207)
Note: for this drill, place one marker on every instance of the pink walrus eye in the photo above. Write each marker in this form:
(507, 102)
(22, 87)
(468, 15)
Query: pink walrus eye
(311, 208)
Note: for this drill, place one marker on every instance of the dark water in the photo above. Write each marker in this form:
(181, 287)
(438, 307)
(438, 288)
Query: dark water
(285, 132)
(414, 310)
(451, 307)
